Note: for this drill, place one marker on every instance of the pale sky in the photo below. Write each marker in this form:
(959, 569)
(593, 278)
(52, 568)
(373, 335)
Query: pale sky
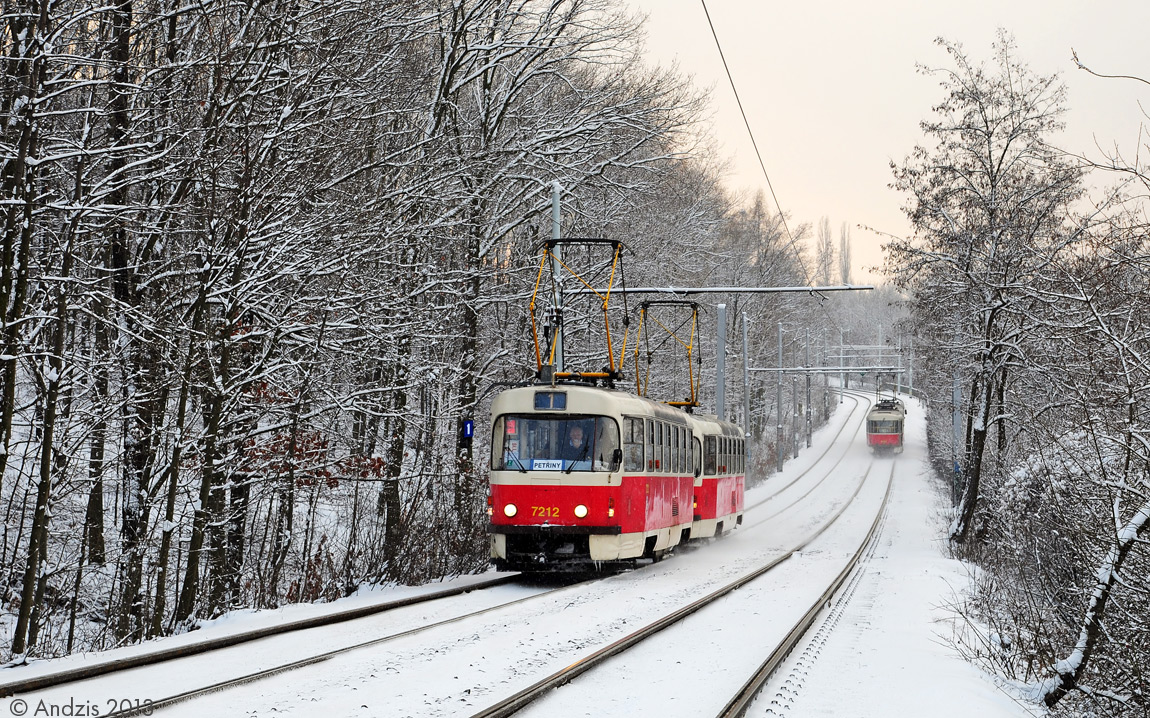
(833, 95)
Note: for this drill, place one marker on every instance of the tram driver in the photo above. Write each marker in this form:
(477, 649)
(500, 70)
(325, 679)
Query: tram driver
(576, 447)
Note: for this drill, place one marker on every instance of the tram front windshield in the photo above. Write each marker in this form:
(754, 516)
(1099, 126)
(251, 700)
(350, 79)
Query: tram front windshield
(541, 442)
(883, 426)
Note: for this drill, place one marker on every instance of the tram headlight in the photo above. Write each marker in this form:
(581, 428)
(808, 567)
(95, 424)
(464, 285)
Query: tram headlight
(510, 510)
(581, 511)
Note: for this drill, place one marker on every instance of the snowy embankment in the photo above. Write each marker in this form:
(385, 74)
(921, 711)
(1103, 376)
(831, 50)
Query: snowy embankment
(891, 652)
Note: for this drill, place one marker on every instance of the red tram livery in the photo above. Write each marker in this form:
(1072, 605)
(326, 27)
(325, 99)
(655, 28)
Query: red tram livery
(884, 425)
(585, 478)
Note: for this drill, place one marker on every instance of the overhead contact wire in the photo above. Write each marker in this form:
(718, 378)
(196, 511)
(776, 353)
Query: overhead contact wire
(758, 155)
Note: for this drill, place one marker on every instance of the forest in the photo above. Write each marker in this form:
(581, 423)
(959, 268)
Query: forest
(261, 260)
(1028, 277)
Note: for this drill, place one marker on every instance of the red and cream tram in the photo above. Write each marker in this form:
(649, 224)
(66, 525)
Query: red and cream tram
(584, 477)
(884, 425)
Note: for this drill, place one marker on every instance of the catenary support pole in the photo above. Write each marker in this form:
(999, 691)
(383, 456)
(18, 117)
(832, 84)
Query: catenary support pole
(877, 378)
(898, 378)
(721, 363)
(956, 403)
(826, 380)
(842, 361)
(795, 411)
(807, 361)
(779, 407)
(746, 398)
(557, 272)
(910, 368)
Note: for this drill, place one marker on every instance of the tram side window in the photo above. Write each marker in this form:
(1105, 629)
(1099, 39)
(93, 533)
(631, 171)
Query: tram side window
(682, 434)
(709, 455)
(742, 455)
(658, 446)
(660, 463)
(604, 446)
(633, 445)
(685, 449)
(660, 460)
(696, 455)
(666, 448)
(650, 445)
(680, 464)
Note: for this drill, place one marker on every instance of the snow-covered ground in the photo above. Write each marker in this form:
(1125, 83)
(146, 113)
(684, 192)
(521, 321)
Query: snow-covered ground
(890, 651)
(887, 654)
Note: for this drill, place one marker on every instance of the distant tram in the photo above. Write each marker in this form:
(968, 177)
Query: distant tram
(884, 426)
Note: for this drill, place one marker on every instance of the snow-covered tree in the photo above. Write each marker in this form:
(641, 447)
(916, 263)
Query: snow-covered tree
(989, 202)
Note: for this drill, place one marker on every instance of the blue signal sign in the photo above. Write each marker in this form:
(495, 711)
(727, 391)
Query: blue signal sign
(468, 429)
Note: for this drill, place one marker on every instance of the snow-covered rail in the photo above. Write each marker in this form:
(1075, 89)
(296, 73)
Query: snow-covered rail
(738, 705)
(100, 668)
(151, 705)
(525, 697)
(835, 444)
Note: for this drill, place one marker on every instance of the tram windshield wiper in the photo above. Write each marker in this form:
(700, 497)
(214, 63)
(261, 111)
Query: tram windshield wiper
(582, 457)
(522, 468)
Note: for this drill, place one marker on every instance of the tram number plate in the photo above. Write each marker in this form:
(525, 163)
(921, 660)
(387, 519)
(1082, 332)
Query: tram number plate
(549, 512)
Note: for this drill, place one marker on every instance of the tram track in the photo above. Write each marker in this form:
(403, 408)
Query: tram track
(511, 705)
(791, 687)
(832, 444)
(813, 487)
(102, 668)
(41, 682)
(742, 700)
(585, 663)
